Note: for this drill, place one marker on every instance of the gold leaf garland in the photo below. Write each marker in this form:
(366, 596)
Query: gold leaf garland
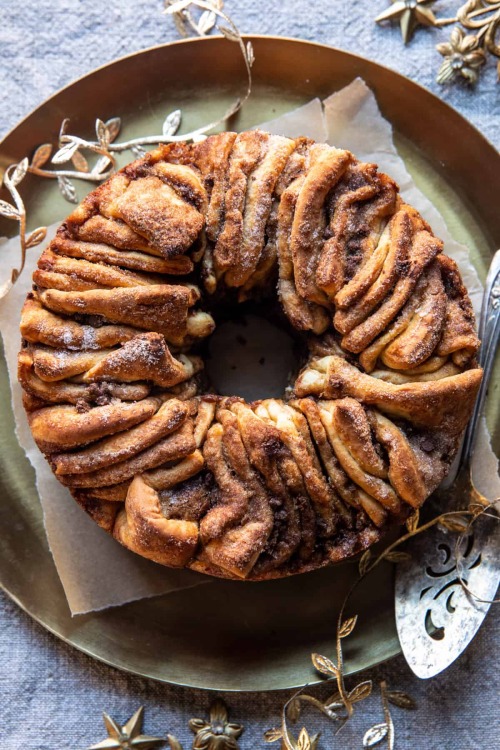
(105, 147)
(16, 211)
(339, 707)
(465, 53)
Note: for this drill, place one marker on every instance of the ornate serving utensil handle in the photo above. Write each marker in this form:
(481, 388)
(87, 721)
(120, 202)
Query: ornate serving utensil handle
(489, 330)
(436, 617)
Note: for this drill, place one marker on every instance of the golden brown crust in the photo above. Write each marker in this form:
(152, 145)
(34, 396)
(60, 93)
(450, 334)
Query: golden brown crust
(162, 308)
(362, 203)
(155, 211)
(303, 314)
(254, 491)
(326, 167)
(444, 403)
(257, 209)
(143, 528)
(62, 427)
(185, 468)
(103, 512)
(69, 392)
(84, 272)
(129, 259)
(169, 448)
(459, 336)
(212, 160)
(40, 325)
(229, 541)
(114, 449)
(403, 472)
(247, 151)
(145, 357)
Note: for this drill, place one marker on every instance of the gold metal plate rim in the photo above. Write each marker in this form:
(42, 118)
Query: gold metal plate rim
(248, 37)
(70, 631)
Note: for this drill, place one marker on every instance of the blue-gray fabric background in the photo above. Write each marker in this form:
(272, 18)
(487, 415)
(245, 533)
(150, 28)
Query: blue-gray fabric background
(51, 696)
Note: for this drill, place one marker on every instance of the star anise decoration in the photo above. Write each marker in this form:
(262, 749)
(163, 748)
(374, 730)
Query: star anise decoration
(217, 733)
(127, 737)
(410, 14)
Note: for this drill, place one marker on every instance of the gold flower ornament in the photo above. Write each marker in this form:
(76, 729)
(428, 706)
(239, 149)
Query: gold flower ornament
(471, 43)
(462, 56)
(217, 733)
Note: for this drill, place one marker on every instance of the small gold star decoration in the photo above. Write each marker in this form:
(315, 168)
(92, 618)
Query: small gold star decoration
(127, 737)
(216, 733)
(410, 14)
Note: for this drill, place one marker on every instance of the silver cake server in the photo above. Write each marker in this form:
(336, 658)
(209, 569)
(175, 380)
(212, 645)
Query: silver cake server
(436, 619)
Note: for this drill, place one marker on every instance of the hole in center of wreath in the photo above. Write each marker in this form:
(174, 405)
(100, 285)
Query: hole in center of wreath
(251, 357)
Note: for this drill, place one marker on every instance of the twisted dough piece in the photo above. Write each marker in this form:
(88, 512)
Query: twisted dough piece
(144, 357)
(142, 527)
(445, 403)
(111, 365)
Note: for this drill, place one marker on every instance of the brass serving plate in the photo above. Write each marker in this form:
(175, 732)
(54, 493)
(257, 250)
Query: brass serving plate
(229, 635)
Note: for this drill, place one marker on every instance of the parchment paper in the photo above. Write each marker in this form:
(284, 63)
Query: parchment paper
(307, 120)
(81, 550)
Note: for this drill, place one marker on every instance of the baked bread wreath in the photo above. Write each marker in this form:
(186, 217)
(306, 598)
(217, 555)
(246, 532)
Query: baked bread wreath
(112, 356)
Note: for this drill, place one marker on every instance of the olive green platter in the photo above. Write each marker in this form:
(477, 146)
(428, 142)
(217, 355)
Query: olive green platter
(231, 635)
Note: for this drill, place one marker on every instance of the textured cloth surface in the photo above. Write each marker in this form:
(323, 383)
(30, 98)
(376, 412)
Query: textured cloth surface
(52, 698)
(51, 695)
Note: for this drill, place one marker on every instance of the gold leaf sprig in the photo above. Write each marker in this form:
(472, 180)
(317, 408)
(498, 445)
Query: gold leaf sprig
(69, 151)
(385, 730)
(185, 21)
(330, 708)
(70, 147)
(16, 211)
(207, 21)
(339, 707)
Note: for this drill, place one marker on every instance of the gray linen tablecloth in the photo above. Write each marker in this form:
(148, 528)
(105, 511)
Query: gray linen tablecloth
(51, 696)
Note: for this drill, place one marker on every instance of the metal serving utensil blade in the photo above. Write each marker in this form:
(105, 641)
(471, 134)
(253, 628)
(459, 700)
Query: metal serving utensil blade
(436, 618)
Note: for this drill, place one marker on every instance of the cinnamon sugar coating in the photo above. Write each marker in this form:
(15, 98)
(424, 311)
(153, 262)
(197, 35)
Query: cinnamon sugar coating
(112, 374)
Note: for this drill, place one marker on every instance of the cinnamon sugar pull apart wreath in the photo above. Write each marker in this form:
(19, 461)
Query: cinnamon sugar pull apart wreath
(112, 356)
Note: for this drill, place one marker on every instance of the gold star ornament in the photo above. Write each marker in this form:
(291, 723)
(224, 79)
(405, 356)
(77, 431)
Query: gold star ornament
(127, 737)
(410, 14)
